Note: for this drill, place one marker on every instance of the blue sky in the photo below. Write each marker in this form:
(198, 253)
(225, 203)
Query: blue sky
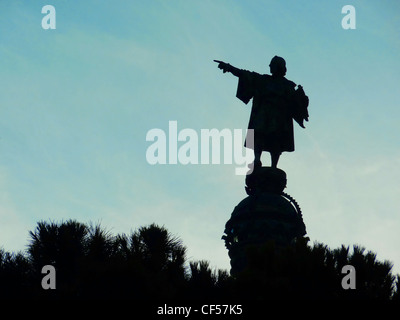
(77, 102)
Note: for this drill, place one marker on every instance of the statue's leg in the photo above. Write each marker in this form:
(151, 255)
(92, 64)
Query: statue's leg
(257, 157)
(275, 158)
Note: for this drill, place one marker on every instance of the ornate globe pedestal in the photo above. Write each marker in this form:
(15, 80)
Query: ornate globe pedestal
(267, 214)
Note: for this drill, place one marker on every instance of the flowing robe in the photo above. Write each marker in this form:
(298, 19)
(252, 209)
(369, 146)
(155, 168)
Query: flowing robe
(271, 115)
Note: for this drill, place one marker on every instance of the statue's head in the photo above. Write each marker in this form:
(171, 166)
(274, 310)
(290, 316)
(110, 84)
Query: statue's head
(277, 66)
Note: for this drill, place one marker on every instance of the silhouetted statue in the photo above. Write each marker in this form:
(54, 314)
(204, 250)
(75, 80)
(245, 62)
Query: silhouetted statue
(275, 103)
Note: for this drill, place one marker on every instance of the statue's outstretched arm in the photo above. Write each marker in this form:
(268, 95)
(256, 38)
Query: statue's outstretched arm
(226, 67)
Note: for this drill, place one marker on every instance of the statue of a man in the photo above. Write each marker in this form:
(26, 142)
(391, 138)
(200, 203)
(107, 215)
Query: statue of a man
(276, 101)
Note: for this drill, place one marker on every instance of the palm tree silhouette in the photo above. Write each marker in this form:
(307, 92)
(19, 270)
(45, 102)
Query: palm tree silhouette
(15, 275)
(151, 264)
(158, 257)
(63, 247)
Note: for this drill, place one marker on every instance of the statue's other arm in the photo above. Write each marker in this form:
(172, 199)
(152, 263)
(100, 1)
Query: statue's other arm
(226, 67)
